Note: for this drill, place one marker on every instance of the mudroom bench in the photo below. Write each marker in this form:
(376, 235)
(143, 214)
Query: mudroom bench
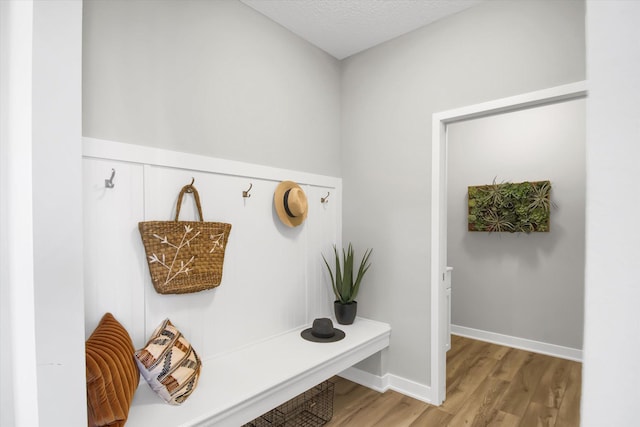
(239, 386)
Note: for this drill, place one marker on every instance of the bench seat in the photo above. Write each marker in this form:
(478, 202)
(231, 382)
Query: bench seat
(239, 386)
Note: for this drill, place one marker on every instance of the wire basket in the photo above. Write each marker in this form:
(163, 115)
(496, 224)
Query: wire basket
(312, 408)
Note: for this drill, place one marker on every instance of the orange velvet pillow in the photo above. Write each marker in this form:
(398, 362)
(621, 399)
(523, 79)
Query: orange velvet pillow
(112, 375)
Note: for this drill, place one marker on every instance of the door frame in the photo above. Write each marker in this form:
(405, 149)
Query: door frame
(440, 121)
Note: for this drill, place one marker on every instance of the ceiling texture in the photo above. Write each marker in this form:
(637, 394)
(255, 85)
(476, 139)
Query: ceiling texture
(345, 27)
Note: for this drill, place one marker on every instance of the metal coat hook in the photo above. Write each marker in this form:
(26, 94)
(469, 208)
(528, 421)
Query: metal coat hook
(189, 190)
(245, 193)
(109, 182)
(325, 199)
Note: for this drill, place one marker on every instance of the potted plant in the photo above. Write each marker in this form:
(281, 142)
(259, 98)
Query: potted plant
(344, 286)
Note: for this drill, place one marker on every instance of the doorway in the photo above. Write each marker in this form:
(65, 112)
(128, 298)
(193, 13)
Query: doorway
(440, 121)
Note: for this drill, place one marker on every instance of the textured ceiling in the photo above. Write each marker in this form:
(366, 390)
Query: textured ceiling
(345, 27)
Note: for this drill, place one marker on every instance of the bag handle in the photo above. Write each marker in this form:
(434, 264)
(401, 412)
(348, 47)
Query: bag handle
(189, 188)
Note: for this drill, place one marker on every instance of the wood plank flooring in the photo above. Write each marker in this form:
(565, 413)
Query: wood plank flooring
(487, 385)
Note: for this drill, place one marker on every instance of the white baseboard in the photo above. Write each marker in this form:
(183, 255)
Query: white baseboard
(388, 382)
(410, 388)
(366, 379)
(521, 343)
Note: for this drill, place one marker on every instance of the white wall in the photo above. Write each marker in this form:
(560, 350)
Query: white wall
(525, 286)
(491, 51)
(57, 212)
(273, 277)
(18, 393)
(209, 77)
(42, 212)
(612, 322)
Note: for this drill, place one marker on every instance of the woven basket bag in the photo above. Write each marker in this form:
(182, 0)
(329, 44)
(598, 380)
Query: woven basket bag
(185, 256)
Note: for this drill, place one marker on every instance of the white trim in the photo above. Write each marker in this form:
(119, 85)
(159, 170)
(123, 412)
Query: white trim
(366, 379)
(411, 388)
(438, 258)
(103, 149)
(20, 406)
(518, 102)
(389, 382)
(438, 205)
(562, 352)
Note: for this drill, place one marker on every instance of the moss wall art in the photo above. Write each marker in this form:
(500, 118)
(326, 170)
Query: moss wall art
(510, 207)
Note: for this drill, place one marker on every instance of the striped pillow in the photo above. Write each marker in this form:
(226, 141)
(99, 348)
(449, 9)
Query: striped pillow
(112, 376)
(169, 364)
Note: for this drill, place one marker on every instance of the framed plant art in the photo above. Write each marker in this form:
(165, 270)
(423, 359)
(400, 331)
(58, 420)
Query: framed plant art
(510, 207)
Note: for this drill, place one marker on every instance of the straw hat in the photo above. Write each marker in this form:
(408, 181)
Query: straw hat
(291, 203)
(322, 330)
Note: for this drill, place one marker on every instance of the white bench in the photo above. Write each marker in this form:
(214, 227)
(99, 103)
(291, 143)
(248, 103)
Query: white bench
(239, 386)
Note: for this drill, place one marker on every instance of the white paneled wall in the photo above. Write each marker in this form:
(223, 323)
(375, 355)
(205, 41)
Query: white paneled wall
(274, 279)
(113, 264)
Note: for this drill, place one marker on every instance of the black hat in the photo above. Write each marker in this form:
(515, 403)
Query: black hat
(322, 331)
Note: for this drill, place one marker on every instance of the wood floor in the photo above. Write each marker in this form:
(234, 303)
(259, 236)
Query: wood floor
(487, 385)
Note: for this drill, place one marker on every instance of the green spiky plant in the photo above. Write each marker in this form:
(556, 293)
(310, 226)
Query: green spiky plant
(344, 286)
(497, 223)
(540, 196)
(493, 193)
(510, 207)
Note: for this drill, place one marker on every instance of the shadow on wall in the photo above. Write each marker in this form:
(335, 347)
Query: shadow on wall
(484, 246)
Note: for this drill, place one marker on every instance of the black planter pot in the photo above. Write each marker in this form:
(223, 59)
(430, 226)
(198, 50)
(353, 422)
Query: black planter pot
(345, 313)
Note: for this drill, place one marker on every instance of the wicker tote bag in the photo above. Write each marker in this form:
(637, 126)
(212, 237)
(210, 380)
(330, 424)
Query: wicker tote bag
(185, 256)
